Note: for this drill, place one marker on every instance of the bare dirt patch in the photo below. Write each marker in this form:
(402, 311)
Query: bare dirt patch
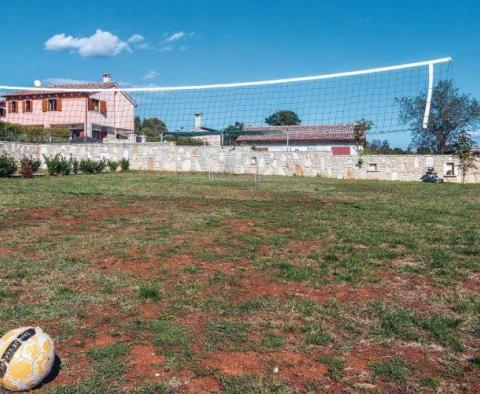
(236, 363)
(144, 363)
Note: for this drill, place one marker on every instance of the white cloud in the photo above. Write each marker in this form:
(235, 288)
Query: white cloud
(102, 43)
(175, 36)
(145, 45)
(165, 48)
(136, 38)
(152, 74)
(61, 81)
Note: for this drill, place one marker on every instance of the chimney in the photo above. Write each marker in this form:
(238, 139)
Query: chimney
(107, 77)
(198, 120)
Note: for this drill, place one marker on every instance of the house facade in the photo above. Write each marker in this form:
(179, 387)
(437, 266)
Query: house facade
(97, 115)
(337, 139)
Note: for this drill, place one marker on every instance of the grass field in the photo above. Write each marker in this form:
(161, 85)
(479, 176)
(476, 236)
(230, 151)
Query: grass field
(156, 283)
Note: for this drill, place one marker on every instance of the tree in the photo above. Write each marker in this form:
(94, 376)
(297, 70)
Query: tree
(360, 129)
(463, 150)
(231, 133)
(235, 127)
(137, 123)
(152, 127)
(383, 148)
(450, 114)
(283, 118)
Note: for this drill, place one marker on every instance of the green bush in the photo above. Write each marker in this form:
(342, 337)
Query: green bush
(101, 165)
(16, 132)
(30, 161)
(113, 165)
(124, 164)
(186, 141)
(88, 166)
(75, 166)
(58, 165)
(8, 166)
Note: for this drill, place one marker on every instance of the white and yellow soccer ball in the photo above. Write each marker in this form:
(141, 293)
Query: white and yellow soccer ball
(26, 358)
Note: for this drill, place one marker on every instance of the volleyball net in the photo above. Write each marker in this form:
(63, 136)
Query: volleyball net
(328, 103)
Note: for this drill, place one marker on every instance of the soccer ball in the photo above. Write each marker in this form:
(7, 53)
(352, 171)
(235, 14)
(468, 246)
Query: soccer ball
(26, 358)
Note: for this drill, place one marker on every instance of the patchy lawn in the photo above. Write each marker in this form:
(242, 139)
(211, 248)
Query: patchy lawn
(156, 283)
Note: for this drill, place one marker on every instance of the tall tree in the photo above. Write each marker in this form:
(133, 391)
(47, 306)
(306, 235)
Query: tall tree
(152, 127)
(283, 118)
(450, 114)
(137, 122)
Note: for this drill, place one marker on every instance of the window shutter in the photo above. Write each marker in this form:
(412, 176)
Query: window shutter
(59, 104)
(9, 106)
(90, 104)
(103, 106)
(44, 105)
(22, 105)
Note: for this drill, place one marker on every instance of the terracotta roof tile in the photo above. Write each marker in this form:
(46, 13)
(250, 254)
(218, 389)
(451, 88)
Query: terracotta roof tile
(85, 85)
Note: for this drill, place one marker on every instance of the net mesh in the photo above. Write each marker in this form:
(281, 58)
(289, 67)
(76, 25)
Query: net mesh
(102, 110)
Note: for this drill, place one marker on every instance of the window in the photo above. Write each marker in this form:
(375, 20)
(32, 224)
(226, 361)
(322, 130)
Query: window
(2, 112)
(372, 167)
(52, 104)
(95, 105)
(28, 106)
(450, 169)
(13, 107)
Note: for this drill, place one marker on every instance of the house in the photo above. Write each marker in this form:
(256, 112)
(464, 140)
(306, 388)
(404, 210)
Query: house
(97, 115)
(337, 139)
(210, 136)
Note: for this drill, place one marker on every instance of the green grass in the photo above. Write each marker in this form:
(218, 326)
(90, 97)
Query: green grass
(108, 360)
(292, 272)
(148, 292)
(335, 366)
(394, 369)
(226, 335)
(273, 341)
(252, 384)
(408, 325)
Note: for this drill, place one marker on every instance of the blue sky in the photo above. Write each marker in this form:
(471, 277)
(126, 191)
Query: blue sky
(191, 42)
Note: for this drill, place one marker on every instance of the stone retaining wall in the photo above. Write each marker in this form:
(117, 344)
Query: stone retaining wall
(241, 160)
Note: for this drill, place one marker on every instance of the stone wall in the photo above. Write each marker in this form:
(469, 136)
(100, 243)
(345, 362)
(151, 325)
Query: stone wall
(242, 160)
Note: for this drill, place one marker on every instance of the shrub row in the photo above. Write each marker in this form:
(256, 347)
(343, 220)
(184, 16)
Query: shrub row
(8, 165)
(15, 132)
(59, 165)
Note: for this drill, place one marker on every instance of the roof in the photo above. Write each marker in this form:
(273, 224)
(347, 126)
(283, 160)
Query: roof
(83, 85)
(200, 129)
(313, 133)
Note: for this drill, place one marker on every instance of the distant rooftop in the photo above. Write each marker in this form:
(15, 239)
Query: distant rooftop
(312, 133)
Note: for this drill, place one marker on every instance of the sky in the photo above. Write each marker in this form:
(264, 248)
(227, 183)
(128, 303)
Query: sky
(197, 42)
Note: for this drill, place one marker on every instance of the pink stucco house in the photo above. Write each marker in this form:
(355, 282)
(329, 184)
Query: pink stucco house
(92, 114)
